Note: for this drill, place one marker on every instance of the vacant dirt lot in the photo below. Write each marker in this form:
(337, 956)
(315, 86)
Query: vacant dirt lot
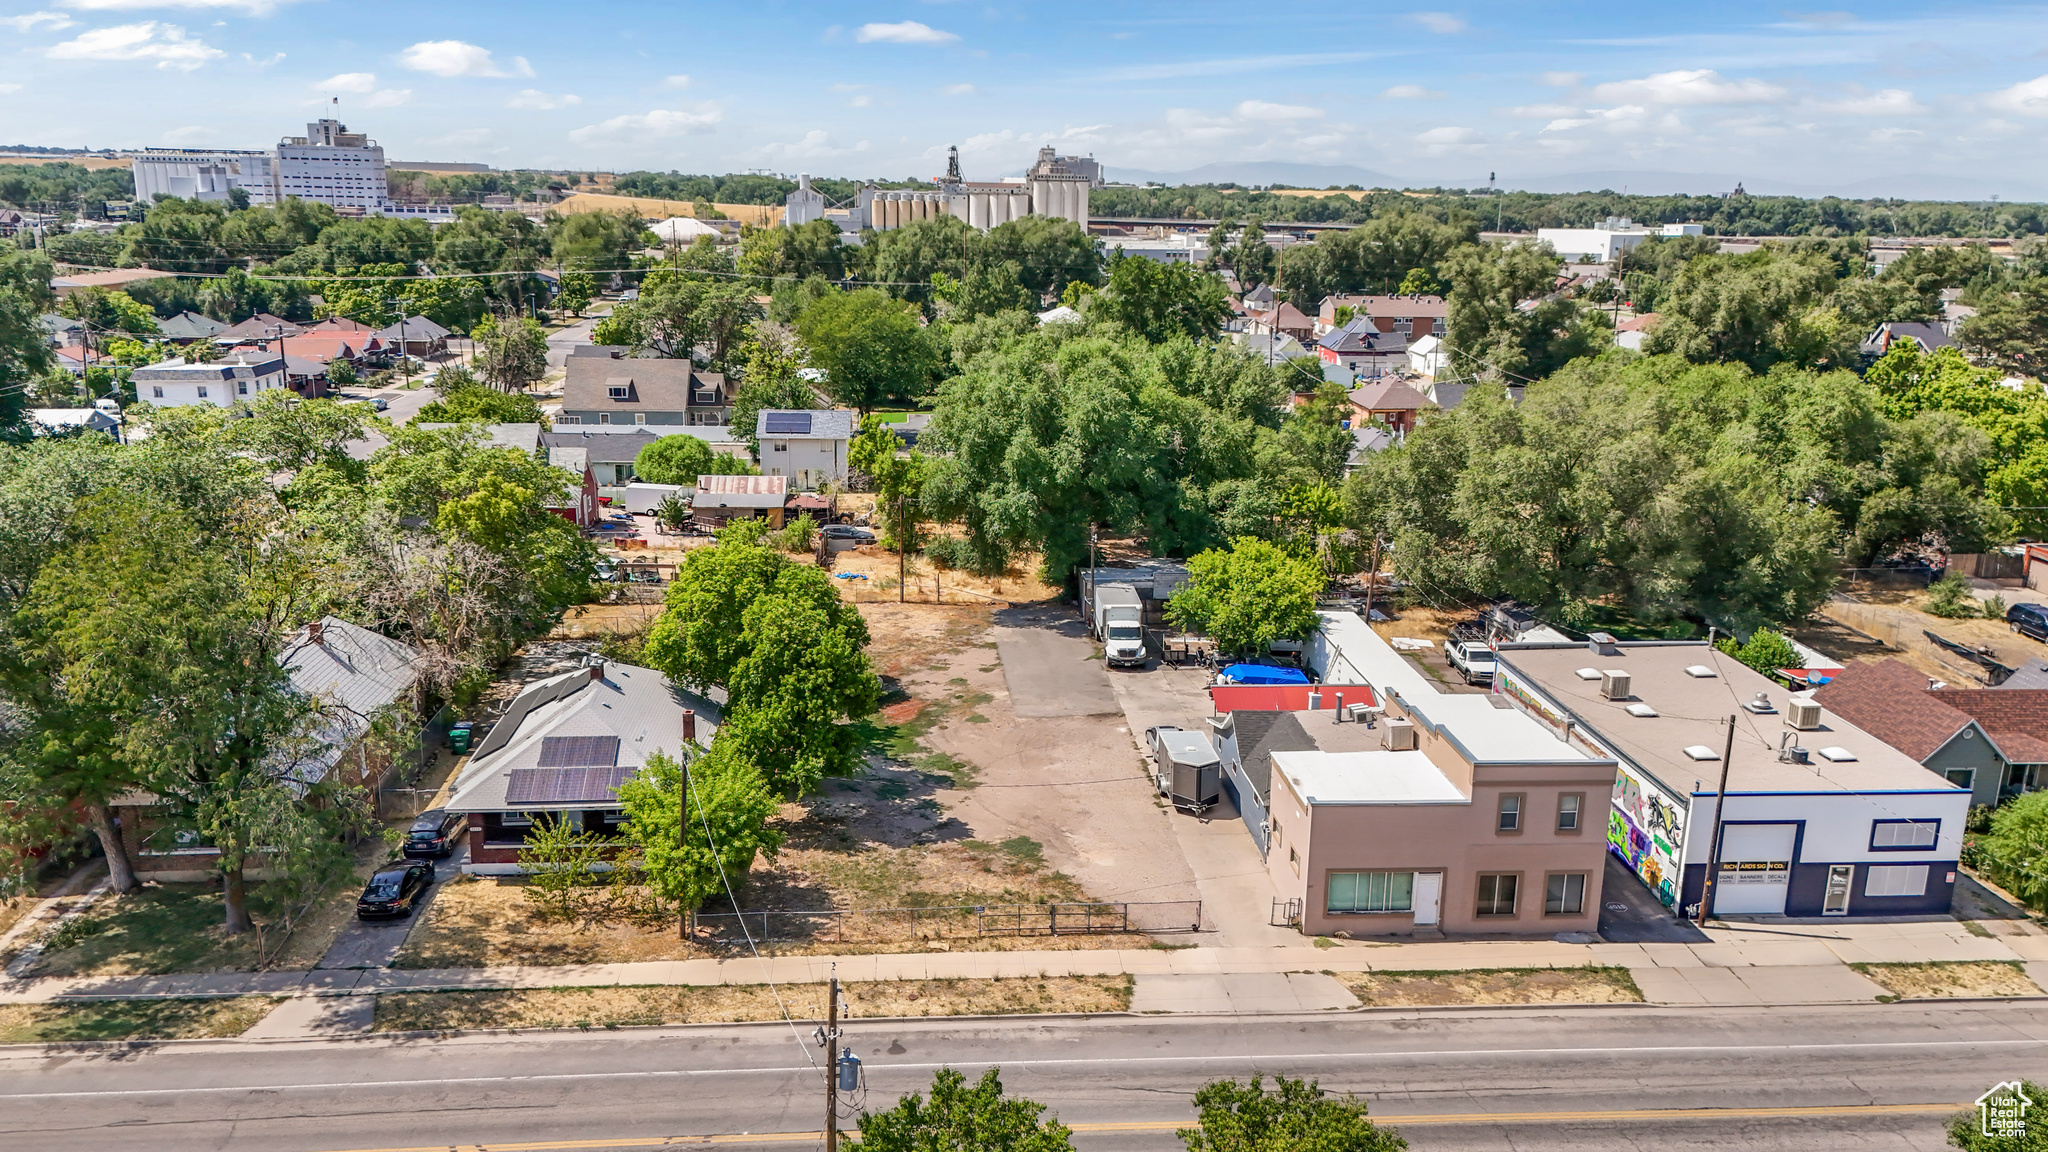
(131, 1020)
(625, 1007)
(1893, 615)
(1944, 980)
(1492, 986)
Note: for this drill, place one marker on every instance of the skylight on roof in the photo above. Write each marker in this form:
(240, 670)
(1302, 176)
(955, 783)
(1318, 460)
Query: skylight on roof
(1836, 754)
(1641, 710)
(1702, 752)
(1587, 673)
(1700, 671)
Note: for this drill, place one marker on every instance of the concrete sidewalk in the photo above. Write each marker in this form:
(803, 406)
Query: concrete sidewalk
(1746, 964)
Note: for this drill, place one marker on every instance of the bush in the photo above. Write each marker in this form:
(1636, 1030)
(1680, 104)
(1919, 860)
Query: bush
(949, 552)
(798, 535)
(1994, 608)
(2016, 850)
(1950, 599)
(1766, 651)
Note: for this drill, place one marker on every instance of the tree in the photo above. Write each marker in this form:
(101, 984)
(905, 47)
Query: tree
(2017, 847)
(341, 373)
(872, 349)
(1292, 1115)
(1160, 301)
(513, 355)
(1949, 597)
(576, 291)
(769, 382)
(562, 861)
(2011, 328)
(24, 296)
(1761, 308)
(466, 400)
(680, 459)
(898, 480)
(1966, 1128)
(959, 1118)
(1765, 651)
(1501, 320)
(1248, 597)
(729, 805)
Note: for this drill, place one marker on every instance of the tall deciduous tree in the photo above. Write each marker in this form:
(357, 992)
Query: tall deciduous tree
(728, 805)
(958, 1117)
(1161, 301)
(512, 355)
(1292, 1115)
(872, 349)
(1248, 597)
(1503, 320)
(769, 382)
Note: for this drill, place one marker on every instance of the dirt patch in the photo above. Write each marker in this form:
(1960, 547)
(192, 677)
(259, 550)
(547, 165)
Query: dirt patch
(728, 1004)
(1588, 985)
(925, 583)
(131, 1020)
(1892, 616)
(1947, 979)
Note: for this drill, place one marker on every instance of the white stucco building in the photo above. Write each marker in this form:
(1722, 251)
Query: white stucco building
(205, 174)
(1611, 237)
(327, 165)
(175, 384)
(809, 447)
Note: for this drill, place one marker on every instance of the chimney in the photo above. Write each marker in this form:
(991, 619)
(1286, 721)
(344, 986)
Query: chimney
(689, 723)
(597, 672)
(314, 632)
(1339, 717)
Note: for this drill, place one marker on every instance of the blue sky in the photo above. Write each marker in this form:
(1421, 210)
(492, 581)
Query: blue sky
(1424, 94)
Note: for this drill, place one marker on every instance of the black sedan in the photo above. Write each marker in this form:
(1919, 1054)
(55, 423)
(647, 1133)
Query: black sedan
(395, 890)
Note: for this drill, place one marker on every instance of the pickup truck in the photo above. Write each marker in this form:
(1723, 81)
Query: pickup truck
(1473, 660)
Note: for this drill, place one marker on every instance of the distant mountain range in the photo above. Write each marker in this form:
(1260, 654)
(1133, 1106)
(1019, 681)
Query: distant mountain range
(1910, 186)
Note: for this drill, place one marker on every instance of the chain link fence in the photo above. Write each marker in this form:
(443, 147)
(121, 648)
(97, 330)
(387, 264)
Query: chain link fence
(951, 922)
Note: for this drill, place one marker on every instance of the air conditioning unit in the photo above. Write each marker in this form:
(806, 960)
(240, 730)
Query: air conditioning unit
(1803, 714)
(1614, 684)
(1400, 736)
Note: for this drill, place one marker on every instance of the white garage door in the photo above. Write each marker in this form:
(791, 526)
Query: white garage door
(1756, 868)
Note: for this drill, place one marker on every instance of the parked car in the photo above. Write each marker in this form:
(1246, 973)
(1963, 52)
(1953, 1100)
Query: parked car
(2029, 620)
(433, 834)
(380, 403)
(1473, 660)
(847, 532)
(395, 890)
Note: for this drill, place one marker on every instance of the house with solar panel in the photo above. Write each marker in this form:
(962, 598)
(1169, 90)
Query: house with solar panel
(562, 749)
(809, 446)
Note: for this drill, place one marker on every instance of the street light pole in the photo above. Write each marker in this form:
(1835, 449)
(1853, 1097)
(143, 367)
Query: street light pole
(1720, 816)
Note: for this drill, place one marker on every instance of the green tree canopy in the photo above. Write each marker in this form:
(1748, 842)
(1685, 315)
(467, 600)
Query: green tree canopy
(1248, 597)
(873, 349)
(958, 1118)
(466, 400)
(1161, 301)
(729, 806)
(1292, 1116)
(680, 459)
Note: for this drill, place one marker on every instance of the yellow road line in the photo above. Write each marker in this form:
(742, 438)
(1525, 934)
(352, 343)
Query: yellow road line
(1170, 1125)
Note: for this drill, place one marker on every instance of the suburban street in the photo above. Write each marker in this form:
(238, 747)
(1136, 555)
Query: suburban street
(1875, 1077)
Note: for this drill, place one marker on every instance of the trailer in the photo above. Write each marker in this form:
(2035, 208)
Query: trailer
(1185, 769)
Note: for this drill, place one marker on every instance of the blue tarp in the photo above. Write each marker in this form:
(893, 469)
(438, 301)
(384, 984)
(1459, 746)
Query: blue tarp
(1263, 674)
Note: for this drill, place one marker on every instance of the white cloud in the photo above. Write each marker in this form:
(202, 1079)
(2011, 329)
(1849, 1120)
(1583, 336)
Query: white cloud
(1895, 135)
(908, 32)
(1444, 141)
(7, 88)
(1696, 86)
(2027, 98)
(453, 58)
(1409, 92)
(349, 82)
(1441, 23)
(815, 145)
(676, 81)
(167, 44)
(533, 99)
(658, 123)
(191, 134)
(247, 7)
(1560, 79)
(860, 102)
(1567, 123)
(385, 98)
(957, 90)
(1543, 111)
(1889, 102)
(27, 23)
(1261, 110)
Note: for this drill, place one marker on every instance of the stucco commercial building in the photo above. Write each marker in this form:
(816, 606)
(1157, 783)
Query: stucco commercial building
(1821, 817)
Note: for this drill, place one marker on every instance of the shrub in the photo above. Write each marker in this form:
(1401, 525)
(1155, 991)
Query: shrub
(949, 552)
(2016, 850)
(798, 535)
(1949, 598)
(1994, 608)
(1766, 651)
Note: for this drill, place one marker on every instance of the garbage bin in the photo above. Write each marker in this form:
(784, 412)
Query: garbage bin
(458, 737)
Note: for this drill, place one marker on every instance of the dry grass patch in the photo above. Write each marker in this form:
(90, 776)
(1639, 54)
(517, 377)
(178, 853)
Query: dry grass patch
(1943, 979)
(131, 1020)
(1589, 985)
(739, 1003)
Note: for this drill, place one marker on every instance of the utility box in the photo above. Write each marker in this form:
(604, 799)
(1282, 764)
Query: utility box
(1185, 769)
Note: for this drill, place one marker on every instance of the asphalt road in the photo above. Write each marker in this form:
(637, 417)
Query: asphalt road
(1864, 1076)
(1048, 663)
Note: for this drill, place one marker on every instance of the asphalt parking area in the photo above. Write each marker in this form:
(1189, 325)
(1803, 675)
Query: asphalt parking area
(1629, 914)
(1049, 663)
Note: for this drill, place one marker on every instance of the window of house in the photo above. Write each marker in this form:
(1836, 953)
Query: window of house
(1497, 893)
(1294, 861)
(157, 392)
(1895, 880)
(1568, 811)
(202, 391)
(782, 447)
(1370, 892)
(242, 387)
(1903, 835)
(604, 417)
(1564, 894)
(1961, 777)
(516, 820)
(639, 417)
(1510, 813)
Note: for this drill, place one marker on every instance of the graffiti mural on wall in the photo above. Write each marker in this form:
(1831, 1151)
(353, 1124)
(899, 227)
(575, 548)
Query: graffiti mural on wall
(1644, 829)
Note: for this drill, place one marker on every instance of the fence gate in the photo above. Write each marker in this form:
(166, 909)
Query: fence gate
(1286, 914)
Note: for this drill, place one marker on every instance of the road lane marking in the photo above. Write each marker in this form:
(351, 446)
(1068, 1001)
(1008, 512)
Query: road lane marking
(1444, 1119)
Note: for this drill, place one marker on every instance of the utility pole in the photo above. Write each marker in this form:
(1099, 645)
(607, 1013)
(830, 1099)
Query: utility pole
(1372, 577)
(902, 551)
(1720, 814)
(832, 1065)
(688, 919)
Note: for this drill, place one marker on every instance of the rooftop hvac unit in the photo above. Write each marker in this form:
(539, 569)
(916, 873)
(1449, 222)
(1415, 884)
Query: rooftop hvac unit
(1803, 714)
(1614, 684)
(1400, 736)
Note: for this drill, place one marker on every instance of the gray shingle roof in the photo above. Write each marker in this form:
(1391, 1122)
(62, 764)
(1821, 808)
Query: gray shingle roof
(651, 385)
(826, 424)
(354, 673)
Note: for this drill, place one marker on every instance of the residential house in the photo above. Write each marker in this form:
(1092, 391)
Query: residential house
(723, 498)
(261, 326)
(1631, 332)
(415, 336)
(60, 330)
(1891, 701)
(1820, 816)
(186, 327)
(62, 421)
(613, 447)
(2017, 722)
(1363, 349)
(1284, 320)
(1270, 349)
(1060, 314)
(1953, 310)
(2032, 674)
(807, 446)
(1259, 299)
(1412, 316)
(581, 506)
(111, 280)
(1391, 402)
(76, 358)
(561, 750)
(1928, 336)
(1429, 357)
(601, 390)
(1366, 441)
(221, 383)
(524, 438)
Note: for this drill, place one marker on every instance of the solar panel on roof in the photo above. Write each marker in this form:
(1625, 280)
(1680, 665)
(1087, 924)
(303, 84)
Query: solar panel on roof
(789, 423)
(565, 785)
(578, 751)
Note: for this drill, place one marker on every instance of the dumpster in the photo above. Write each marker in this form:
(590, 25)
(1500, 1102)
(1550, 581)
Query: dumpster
(1185, 769)
(458, 737)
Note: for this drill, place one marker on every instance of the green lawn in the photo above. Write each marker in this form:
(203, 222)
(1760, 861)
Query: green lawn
(131, 1019)
(162, 928)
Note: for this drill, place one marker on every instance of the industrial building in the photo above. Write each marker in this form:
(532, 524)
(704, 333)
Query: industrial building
(1603, 242)
(328, 165)
(1055, 186)
(205, 174)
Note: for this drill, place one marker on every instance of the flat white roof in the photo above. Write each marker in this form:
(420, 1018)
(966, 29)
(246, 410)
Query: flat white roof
(1491, 733)
(1374, 658)
(1366, 778)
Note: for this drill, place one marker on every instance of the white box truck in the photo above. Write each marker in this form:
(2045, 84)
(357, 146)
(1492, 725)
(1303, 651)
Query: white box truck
(1120, 623)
